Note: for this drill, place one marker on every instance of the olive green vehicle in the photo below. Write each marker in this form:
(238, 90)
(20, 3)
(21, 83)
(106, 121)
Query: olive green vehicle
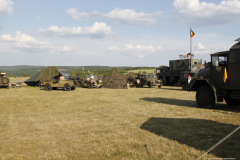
(91, 81)
(66, 85)
(147, 79)
(220, 80)
(52, 82)
(177, 70)
(4, 81)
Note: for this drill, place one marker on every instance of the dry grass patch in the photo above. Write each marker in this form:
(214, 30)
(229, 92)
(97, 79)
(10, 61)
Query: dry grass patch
(138, 123)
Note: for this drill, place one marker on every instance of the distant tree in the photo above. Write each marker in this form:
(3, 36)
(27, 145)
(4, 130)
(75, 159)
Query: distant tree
(24, 75)
(162, 66)
(31, 75)
(144, 72)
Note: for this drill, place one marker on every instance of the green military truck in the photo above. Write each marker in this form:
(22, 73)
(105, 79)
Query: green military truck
(4, 81)
(147, 79)
(220, 80)
(177, 72)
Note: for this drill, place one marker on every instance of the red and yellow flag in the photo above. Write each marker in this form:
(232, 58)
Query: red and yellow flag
(191, 33)
(225, 76)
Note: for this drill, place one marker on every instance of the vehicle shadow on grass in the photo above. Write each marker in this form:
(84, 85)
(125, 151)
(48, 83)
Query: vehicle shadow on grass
(176, 89)
(189, 103)
(198, 133)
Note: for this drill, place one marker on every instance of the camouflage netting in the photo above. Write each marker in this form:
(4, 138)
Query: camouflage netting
(117, 81)
(48, 73)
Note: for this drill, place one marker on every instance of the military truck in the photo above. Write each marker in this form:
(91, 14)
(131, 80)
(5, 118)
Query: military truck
(147, 79)
(91, 81)
(177, 71)
(220, 80)
(4, 81)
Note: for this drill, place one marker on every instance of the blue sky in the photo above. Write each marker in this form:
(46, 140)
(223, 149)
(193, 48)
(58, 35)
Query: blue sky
(114, 33)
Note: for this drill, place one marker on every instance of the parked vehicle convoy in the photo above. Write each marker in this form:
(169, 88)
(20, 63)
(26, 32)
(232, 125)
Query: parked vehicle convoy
(4, 81)
(220, 80)
(177, 71)
(147, 79)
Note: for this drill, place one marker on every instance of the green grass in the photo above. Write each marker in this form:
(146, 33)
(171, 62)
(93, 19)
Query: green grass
(135, 123)
(142, 70)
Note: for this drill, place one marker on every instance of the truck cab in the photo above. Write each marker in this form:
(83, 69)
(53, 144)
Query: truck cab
(220, 80)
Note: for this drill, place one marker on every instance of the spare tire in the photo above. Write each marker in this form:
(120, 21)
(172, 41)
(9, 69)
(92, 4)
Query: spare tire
(5, 80)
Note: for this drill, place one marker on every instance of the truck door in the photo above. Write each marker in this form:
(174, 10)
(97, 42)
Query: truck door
(219, 63)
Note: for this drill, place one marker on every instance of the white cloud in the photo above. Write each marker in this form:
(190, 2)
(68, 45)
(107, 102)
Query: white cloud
(126, 16)
(203, 14)
(6, 7)
(38, 18)
(72, 12)
(138, 50)
(200, 49)
(98, 30)
(25, 42)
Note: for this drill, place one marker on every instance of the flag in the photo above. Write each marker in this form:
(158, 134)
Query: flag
(191, 33)
(83, 69)
(189, 78)
(225, 76)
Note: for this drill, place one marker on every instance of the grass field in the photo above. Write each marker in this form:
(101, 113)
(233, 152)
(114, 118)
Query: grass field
(18, 78)
(142, 70)
(135, 123)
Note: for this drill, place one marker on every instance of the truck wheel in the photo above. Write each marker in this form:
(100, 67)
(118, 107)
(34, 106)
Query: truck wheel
(150, 85)
(5, 80)
(184, 87)
(67, 87)
(48, 87)
(205, 97)
(89, 85)
(232, 102)
(73, 87)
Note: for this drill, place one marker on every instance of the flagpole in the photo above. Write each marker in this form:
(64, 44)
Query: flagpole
(190, 42)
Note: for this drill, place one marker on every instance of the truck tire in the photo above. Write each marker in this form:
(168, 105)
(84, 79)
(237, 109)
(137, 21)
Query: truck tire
(205, 97)
(232, 102)
(5, 80)
(89, 85)
(48, 87)
(67, 87)
(73, 87)
(184, 87)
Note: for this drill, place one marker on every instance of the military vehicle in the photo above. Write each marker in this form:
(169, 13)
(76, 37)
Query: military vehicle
(220, 80)
(183, 80)
(147, 79)
(91, 81)
(67, 84)
(177, 70)
(4, 81)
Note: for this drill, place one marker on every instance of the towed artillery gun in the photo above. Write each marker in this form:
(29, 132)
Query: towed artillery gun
(4, 81)
(220, 80)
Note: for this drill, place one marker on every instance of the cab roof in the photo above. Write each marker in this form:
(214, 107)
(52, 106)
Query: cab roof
(224, 53)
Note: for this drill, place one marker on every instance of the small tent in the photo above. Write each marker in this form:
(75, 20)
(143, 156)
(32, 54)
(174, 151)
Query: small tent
(117, 81)
(46, 73)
